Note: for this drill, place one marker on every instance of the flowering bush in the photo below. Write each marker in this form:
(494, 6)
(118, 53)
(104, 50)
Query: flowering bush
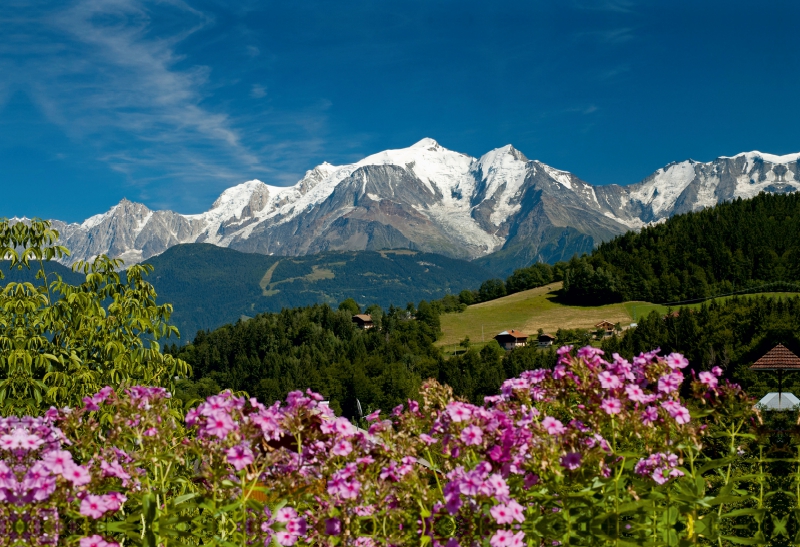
(591, 450)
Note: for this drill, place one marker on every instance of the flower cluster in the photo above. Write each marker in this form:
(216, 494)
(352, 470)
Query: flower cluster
(38, 475)
(272, 452)
(547, 425)
(661, 467)
(294, 473)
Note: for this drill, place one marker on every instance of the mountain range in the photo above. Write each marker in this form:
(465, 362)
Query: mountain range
(502, 209)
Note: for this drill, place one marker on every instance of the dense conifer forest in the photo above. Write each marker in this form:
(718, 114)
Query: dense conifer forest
(734, 246)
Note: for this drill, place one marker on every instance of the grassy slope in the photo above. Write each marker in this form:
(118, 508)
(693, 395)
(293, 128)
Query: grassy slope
(526, 311)
(531, 310)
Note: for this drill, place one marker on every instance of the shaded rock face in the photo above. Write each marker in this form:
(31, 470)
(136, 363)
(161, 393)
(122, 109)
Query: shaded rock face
(501, 208)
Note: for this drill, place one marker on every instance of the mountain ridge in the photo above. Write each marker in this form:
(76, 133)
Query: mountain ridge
(501, 208)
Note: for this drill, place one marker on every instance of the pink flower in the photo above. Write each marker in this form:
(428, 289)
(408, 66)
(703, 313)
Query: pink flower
(497, 484)
(371, 417)
(635, 393)
(472, 435)
(77, 475)
(553, 426)
(677, 411)
(458, 412)
(114, 469)
(611, 405)
(427, 439)
(349, 490)
(517, 511)
(285, 538)
(571, 461)
(296, 527)
(708, 379)
(240, 456)
(95, 541)
(7, 478)
(716, 371)
(507, 538)
(670, 382)
(341, 448)
(57, 460)
(285, 514)
(649, 415)
(343, 427)
(219, 424)
(94, 506)
(609, 380)
(20, 439)
(114, 500)
(501, 514)
(676, 360)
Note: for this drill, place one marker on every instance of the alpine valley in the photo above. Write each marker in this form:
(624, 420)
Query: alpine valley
(502, 210)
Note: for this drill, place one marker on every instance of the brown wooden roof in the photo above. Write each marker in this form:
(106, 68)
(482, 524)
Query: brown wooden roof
(363, 317)
(606, 324)
(778, 357)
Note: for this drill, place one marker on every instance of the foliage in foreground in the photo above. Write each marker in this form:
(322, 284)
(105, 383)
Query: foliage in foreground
(60, 342)
(590, 451)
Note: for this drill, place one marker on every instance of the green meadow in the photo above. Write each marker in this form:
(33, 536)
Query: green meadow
(540, 308)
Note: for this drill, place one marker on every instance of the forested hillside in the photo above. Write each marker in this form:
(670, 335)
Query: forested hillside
(210, 286)
(319, 348)
(733, 246)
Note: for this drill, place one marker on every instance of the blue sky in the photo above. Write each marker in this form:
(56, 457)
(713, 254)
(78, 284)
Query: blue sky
(170, 102)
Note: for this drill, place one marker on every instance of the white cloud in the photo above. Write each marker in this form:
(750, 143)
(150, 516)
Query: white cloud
(258, 91)
(114, 74)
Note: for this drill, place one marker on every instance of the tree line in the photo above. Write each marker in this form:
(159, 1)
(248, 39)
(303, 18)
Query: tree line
(320, 348)
(735, 246)
(536, 275)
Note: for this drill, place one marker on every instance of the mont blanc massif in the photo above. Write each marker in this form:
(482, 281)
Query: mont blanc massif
(501, 209)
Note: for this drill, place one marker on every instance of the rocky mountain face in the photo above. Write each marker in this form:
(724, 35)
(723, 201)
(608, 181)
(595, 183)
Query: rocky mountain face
(502, 209)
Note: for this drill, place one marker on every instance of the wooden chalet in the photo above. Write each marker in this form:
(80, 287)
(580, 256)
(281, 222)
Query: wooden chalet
(546, 340)
(510, 339)
(607, 326)
(363, 321)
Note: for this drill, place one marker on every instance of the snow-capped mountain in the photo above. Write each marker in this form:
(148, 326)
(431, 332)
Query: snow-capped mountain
(429, 198)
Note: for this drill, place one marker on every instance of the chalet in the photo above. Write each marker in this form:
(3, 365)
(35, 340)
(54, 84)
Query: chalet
(546, 340)
(606, 326)
(363, 321)
(510, 339)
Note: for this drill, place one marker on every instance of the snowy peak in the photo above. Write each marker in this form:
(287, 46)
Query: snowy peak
(564, 178)
(429, 198)
(755, 155)
(233, 200)
(428, 144)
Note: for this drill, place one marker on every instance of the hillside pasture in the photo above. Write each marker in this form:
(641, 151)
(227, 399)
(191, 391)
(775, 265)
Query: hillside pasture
(526, 311)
